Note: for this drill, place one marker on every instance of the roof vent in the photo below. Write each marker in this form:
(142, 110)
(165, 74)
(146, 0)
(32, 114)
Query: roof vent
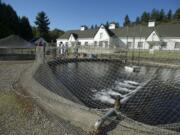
(112, 25)
(151, 24)
(83, 28)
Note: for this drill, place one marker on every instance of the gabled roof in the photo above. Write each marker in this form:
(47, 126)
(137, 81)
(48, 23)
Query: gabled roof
(168, 30)
(154, 36)
(15, 41)
(74, 35)
(89, 33)
(163, 30)
(133, 31)
(34, 40)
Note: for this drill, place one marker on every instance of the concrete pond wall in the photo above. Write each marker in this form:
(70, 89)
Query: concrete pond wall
(77, 114)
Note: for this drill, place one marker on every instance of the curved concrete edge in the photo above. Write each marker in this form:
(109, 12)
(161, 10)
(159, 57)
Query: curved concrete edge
(76, 114)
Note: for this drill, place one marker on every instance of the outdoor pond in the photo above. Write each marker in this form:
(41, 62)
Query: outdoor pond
(96, 85)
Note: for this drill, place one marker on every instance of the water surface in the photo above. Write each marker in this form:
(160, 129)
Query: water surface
(97, 84)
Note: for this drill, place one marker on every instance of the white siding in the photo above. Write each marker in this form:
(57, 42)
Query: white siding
(64, 41)
(90, 41)
(134, 42)
(102, 35)
(72, 38)
(153, 37)
(171, 42)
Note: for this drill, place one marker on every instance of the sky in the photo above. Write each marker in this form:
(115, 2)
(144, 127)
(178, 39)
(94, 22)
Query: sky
(71, 14)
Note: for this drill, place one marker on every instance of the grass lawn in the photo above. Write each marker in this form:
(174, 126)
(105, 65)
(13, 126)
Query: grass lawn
(157, 54)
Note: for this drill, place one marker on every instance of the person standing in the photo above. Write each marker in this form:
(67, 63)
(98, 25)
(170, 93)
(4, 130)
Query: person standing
(66, 50)
(62, 50)
(59, 48)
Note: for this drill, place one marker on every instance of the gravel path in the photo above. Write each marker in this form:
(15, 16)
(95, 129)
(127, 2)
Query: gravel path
(9, 72)
(21, 116)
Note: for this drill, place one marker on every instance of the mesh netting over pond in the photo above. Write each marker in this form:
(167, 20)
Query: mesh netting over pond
(150, 96)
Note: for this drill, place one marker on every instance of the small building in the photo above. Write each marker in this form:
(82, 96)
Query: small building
(14, 47)
(160, 37)
(39, 41)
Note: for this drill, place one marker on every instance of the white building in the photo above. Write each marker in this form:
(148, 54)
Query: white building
(164, 37)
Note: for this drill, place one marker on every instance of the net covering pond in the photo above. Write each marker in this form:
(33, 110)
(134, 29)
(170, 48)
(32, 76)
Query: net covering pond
(97, 83)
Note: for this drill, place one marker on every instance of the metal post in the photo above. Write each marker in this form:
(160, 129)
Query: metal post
(139, 49)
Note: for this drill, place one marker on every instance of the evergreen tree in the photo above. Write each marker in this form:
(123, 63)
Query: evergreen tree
(137, 20)
(177, 14)
(117, 25)
(162, 16)
(25, 30)
(92, 26)
(145, 17)
(9, 22)
(107, 24)
(96, 26)
(127, 21)
(155, 15)
(169, 15)
(42, 23)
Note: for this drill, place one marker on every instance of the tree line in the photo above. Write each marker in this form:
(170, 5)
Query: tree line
(11, 23)
(159, 16)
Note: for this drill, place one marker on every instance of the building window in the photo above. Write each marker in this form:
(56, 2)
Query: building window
(129, 44)
(164, 45)
(95, 43)
(79, 43)
(101, 35)
(86, 43)
(106, 43)
(140, 44)
(100, 43)
(177, 45)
